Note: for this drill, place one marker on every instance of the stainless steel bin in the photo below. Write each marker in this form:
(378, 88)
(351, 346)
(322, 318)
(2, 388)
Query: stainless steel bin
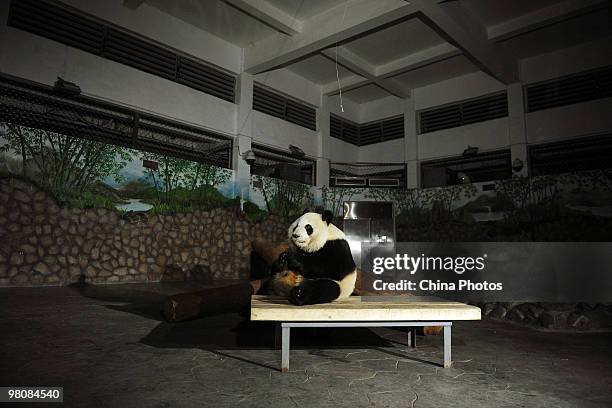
(368, 221)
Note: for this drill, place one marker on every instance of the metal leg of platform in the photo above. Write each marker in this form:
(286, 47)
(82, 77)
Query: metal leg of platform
(286, 334)
(411, 337)
(447, 347)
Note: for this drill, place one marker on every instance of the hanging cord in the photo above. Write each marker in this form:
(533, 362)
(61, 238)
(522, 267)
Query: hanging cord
(337, 74)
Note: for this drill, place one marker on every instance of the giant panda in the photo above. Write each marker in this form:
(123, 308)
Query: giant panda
(322, 259)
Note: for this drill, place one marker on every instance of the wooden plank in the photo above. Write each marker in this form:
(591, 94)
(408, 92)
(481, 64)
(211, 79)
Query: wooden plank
(409, 308)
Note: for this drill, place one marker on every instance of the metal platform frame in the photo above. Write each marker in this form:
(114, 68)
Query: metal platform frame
(285, 333)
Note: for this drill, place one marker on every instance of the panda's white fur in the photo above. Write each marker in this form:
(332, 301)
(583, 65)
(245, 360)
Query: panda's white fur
(325, 232)
(322, 231)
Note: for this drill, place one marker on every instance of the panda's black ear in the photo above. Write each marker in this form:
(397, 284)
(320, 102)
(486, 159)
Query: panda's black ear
(306, 210)
(327, 216)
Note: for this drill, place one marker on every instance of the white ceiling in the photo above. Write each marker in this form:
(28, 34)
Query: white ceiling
(395, 42)
(491, 12)
(576, 30)
(366, 93)
(305, 9)
(401, 51)
(319, 69)
(440, 71)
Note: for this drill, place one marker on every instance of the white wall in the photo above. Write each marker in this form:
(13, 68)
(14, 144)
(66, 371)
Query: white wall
(270, 130)
(487, 136)
(455, 89)
(570, 121)
(38, 59)
(342, 152)
(385, 152)
(381, 109)
(291, 84)
(565, 122)
(166, 29)
(352, 110)
(567, 61)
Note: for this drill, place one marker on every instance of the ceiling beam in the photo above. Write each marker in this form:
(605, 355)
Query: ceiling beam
(339, 24)
(268, 14)
(459, 28)
(417, 60)
(360, 66)
(346, 83)
(543, 17)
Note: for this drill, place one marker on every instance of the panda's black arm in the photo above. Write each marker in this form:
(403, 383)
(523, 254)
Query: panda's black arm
(314, 291)
(287, 261)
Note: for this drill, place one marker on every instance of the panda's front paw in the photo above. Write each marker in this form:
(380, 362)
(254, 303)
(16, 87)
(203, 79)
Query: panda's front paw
(298, 295)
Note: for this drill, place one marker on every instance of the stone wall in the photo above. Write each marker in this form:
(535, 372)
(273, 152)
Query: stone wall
(45, 244)
(552, 316)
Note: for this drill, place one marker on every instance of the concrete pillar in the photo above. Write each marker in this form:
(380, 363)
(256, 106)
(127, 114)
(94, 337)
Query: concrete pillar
(411, 144)
(244, 134)
(324, 143)
(516, 126)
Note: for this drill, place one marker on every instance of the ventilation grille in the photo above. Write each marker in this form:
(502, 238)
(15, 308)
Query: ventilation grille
(367, 133)
(590, 153)
(571, 89)
(385, 175)
(102, 39)
(282, 107)
(37, 106)
(464, 113)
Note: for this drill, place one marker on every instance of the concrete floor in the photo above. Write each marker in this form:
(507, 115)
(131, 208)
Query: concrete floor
(109, 347)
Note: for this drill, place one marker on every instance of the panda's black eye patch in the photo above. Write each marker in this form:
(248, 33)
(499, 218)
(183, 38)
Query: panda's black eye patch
(308, 229)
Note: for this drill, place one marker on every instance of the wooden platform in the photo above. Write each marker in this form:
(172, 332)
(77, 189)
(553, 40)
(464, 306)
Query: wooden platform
(363, 309)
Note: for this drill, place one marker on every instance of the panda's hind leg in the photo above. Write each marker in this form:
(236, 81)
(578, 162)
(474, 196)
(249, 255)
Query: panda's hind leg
(314, 291)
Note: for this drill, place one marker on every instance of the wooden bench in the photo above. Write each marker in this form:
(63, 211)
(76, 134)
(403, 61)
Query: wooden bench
(367, 311)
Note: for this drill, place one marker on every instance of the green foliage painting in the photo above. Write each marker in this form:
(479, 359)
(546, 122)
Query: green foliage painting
(284, 198)
(85, 173)
(334, 198)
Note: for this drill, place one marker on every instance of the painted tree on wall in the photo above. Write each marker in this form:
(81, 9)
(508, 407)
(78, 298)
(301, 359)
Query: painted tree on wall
(334, 197)
(285, 198)
(66, 165)
(182, 185)
(402, 199)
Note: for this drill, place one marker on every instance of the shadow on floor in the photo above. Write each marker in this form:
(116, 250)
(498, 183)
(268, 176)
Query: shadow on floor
(222, 332)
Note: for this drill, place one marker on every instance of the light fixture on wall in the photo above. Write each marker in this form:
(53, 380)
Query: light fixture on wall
(66, 88)
(463, 178)
(517, 165)
(470, 151)
(296, 151)
(249, 157)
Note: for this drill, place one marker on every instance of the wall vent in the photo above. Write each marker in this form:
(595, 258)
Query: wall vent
(78, 30)
(584, 154)
(464, 113)
(379, 175)
(367, 133)
(275, 104)
(567, 90)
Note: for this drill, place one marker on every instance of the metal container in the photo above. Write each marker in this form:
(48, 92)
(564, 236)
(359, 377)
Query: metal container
(368, 221)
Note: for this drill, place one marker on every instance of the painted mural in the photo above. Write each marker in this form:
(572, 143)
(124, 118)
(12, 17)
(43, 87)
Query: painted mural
(85, 174)
(566, 207)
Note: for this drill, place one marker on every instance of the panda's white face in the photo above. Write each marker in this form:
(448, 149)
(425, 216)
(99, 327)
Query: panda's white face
(309, 232)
